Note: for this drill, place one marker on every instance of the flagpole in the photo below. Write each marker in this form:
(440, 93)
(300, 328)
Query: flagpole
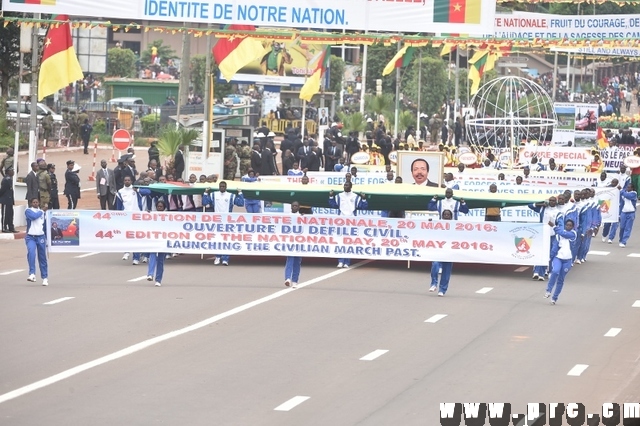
(363, 79)
(33, 123)
(208, 106)
(419, 90)
(395, 123)
(456, 86)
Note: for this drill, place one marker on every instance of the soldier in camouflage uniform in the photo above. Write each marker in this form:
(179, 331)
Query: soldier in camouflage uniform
(44, 183)
(47, 125)
(78, 124)
(244, 152)
(230, 160)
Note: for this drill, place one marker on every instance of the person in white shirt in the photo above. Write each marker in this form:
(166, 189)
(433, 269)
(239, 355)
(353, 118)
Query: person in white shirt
(448, 203)
(627, 212)
(562, 258)
(36, 241)
(222, 201)
(348, 204)
(129, 199)
(292, 265)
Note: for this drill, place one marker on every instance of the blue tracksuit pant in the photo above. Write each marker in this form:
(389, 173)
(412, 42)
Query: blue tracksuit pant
(345, 261)
(559, 271)
(626, 225)
(252, 206)
(447, 267)
(37, 244)
(292, 268)
(156, 265)
(613, 231)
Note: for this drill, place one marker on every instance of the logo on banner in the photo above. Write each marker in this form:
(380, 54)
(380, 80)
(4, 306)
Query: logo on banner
(468, 158)
(604, 206)
(523, 240)
(360, 158)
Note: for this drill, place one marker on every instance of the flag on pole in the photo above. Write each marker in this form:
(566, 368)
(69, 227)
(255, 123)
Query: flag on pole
(402, 59)
(231, 54)
(476, 69)
(312, 85)
(447, 48)
(59, 65)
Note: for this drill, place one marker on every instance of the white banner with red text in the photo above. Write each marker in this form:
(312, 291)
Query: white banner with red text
(296, 235)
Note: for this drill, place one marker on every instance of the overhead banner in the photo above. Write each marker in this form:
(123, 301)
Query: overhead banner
(577, 124)
(295, 235)
(474, 17)
(600, 51)
(525, 25)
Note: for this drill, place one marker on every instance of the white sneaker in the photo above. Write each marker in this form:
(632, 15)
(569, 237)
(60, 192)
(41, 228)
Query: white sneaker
(168, 256)
(32, 278)
(158, 284)
(126, 256)
(577, 262)
(345, 266)
(535, 277)
(622, 245)
(609, 241)
(340, 265)
(45, 281)
(143, 259)
(433, 288)
(225, 263)
(546, 294)
(540, 278)
(553, 302)
(174, 255)
(604, 239)
(135, 262)
(441, 294)
(217, 261)
(294, 285)
(287, 282)
(149, 277)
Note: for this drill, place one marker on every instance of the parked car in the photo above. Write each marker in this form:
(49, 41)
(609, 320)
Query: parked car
(25, 111)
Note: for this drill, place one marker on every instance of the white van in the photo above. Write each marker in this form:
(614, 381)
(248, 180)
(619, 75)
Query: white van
(25, 111)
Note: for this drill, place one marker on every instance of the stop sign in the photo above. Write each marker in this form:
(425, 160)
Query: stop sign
(121, 139)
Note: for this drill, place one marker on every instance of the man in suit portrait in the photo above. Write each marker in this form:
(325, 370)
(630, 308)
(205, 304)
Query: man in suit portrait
(324, 120)
(106, 186)
(420, 172)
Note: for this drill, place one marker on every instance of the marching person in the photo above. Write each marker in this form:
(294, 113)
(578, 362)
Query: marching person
(156, 260)
(252, 205)
(548, 214)
(36, 241)
(448, 203)
(222, 201)
(129, 199)
(627, 213)
(561, 258)
(292, 265)
(444, 268)
(347, 203)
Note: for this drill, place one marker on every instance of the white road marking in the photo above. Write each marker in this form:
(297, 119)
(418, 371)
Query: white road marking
(373, 355)
(133, 280)
(633, 255)
(167, 336)
(293, 402)
(521, 269)
(13, 271)
(53, 302)
(80, 256)
(636, 304)
(436, 318)
(577, 370)
(599, 253)
(612, 332)
(484, 290)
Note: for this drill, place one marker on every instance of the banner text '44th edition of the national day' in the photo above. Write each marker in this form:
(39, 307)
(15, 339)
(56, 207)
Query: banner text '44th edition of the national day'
(295, 235)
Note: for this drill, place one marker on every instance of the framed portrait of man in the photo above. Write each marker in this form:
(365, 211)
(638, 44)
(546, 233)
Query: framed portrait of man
(421, 168)
(323, 116)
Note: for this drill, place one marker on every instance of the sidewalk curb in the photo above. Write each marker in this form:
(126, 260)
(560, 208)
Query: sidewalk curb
(17, 236)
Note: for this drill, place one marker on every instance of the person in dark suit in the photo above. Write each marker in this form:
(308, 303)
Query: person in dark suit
(333, 155)
(420, 172)
(154, 170)
(72, 185)
(304, 153)
(178, 163)
(314, 160)
(266, 167)
(120, 172)
(7, 201)
(106, 186)
(256, 158)
(33, 187)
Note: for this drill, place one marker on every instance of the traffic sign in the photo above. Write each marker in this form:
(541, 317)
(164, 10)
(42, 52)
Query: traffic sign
(121, 139)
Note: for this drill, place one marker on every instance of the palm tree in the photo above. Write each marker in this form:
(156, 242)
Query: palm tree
(171, 139)
(353, 122)
(382, 104)
(406, 119)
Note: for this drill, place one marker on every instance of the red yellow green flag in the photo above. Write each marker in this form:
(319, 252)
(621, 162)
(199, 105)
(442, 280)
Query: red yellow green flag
(477, 69)
(59, 65)
(312, 85)
(231, 54)
(400, 60)
(602, 140)
(457, 11)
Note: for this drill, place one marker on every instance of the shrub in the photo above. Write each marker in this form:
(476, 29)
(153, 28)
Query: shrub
(150, 125)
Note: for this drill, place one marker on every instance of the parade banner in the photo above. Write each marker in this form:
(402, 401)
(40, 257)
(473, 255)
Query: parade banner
(329, 178)
(525, 25)
(577, 125)
(573, 156)
(296, 235)
(472, 17)
(535, 178)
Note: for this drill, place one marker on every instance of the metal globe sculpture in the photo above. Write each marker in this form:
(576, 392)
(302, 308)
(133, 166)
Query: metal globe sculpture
(508, 110)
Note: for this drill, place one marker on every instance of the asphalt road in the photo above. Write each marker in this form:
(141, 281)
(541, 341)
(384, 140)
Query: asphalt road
(232, 344)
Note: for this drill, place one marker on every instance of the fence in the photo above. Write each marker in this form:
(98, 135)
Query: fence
(279, 127)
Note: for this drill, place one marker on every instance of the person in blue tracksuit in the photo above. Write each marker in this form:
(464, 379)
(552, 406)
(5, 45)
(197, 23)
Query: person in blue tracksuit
(585, 219)
(156, 260)
(444, 267)
(627, 213)
(36, 241)
(222, 201)
(562, 260)
(549, 212)
(252, 206)
(623, 180)
(448, 203)
(595, 219)
(131, 199)
(347, 203)
(292, 265)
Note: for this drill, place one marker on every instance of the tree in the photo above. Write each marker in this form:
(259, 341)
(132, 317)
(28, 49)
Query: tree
(383, 104)
(165, 53)
(198, 75)
(121, 62)
(336, 74)
(378, 56)
(433, 85)
(9, 55)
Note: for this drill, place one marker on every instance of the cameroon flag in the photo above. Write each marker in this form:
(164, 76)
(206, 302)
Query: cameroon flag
(231, 54)
(312, 85)
(400, 60)
(457, 11)
(59, 65)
